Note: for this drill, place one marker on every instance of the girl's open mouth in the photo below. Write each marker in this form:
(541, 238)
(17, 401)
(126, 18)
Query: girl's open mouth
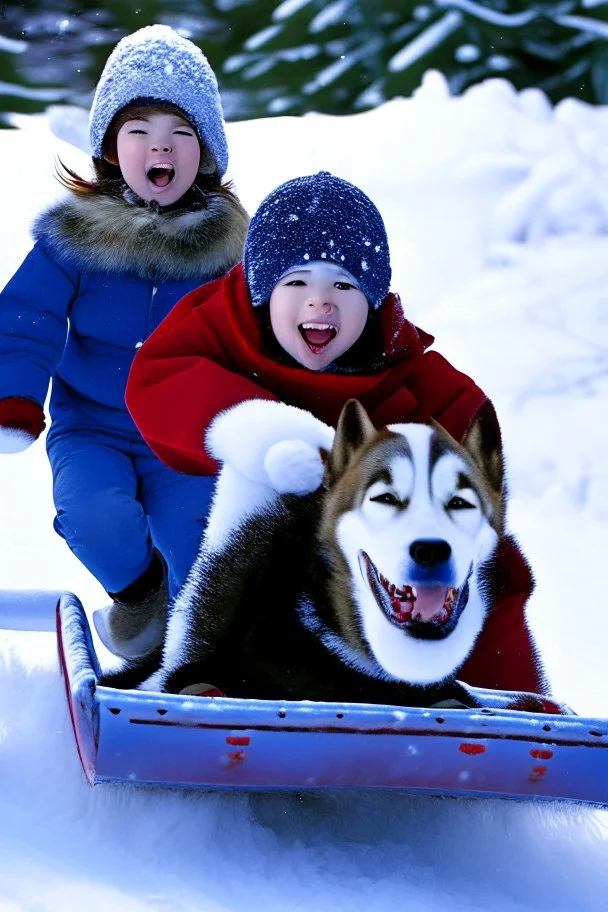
(160, 175)
(317, 335)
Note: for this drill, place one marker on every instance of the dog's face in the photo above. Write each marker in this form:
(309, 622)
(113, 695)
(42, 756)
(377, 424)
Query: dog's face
(410, 518)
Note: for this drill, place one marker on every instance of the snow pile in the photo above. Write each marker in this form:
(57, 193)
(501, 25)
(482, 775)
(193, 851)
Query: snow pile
(565, 156)
(557, 157)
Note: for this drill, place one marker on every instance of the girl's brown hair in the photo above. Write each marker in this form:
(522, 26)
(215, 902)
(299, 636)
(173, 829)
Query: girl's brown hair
(108, 177)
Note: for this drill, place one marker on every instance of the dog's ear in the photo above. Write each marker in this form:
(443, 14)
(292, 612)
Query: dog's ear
(354, 429)
(484, 445)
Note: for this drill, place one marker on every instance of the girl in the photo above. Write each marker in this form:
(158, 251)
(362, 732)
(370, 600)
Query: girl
(109, 262)
(308, 320)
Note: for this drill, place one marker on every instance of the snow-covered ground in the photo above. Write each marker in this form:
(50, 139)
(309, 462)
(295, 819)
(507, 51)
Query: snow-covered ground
(496, 207)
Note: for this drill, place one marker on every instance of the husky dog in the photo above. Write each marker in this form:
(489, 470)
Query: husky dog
(353, 569)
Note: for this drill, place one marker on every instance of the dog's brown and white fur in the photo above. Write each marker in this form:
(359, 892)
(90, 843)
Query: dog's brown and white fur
(355, 568)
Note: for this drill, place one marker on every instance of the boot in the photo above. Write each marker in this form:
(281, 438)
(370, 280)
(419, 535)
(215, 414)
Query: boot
(133, 626)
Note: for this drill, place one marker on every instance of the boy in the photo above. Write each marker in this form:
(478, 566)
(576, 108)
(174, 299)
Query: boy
(308, 320)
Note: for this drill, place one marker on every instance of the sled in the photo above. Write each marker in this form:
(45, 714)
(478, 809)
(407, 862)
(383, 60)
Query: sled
(156, 739)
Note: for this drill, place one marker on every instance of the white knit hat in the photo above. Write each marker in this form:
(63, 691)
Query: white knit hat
(157, 64)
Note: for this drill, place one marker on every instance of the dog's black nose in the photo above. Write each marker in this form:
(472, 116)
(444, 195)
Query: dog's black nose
(429, 552)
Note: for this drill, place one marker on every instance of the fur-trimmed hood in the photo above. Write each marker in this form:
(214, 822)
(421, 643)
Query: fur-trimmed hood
(114, 234)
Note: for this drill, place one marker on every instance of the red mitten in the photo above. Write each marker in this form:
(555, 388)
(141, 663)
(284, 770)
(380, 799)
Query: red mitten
(21, 422)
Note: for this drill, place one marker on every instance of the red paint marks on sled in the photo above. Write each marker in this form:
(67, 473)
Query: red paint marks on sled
(237, 757)
(471, 749)
(537, 773)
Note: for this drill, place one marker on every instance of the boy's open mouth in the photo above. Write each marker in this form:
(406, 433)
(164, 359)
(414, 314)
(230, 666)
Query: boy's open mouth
(317, 335)
(161, 175)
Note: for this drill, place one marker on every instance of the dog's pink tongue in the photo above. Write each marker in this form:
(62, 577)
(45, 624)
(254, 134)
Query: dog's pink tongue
(429, 602)
(318, 336)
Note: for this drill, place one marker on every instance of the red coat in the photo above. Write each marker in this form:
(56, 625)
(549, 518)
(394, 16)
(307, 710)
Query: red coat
(207, 356)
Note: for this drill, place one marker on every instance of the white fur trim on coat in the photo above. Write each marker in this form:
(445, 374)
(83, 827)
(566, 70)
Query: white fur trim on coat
(112, 235)
(13, 440)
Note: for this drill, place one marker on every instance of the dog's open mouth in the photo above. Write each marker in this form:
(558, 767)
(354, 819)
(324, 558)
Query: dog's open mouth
(161, 175)
(409, 605)
(317, 335)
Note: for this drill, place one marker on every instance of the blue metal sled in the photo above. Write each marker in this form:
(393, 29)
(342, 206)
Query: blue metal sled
(159, 739)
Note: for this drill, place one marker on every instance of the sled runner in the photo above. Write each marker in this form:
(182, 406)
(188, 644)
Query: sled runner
(156, 739)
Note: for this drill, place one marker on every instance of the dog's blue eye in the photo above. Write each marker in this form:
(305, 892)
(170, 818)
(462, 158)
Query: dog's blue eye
(459, 503)
(386, 498)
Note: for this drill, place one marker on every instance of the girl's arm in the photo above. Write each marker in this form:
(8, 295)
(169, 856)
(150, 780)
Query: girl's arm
(33, 326)
(34, 309)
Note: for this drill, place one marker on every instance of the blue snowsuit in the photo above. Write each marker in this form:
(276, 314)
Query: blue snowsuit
(94, 287)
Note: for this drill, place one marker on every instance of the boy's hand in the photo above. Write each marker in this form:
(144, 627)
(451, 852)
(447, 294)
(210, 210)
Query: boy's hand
(21, 423)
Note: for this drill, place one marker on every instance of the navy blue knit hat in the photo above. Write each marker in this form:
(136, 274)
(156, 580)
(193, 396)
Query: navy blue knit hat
(318, 217)
(155, 63)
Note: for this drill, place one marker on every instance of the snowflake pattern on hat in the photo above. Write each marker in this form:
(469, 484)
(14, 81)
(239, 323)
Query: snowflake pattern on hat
(317, 217)
(156, 63)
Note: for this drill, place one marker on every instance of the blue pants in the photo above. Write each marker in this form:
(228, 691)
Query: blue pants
(116, 502)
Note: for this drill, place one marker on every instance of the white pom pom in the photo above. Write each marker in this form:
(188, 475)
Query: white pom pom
(242, 435)
(294, 467)
(13, 440)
